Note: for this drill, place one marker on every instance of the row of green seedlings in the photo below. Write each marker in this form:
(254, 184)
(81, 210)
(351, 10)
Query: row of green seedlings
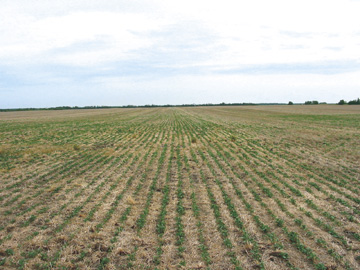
(98, 159)
(344, 179)
(109, 212)
(19, 184)
(124, 216)
(46, 170)
(264, 227)
(293, 189)
(347, 214)
(45, 189)
(32, 217)
(26, 223)
(141, 220)
(161, 222)
(297, 221)
(351, 172)
(340, 182)
(128, 185)
(280, 169)
(45, 256)
(78, 194)
(64, 172)
(180, 129)
(180, 210)
(124, 160)
(312, 175)
(183, 128)
(73, 168)
(263, 176)
(221, 226)
(321, 224)
(105, 260)
(64, 167)
(21, 263)
(50, 167)
(7, 162)
(180, 234)
(326, 226)
(191, 127)
(203, 247)
(8, 179)
(114, 187)
(28, 255)
(32, 208)
(255, 251)
(284, 152)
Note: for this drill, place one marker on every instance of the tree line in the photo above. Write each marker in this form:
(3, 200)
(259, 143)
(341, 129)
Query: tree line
(351, 102)
(313, 102)
(341, 102)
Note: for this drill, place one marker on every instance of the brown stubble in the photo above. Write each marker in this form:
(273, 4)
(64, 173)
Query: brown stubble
(287, 143)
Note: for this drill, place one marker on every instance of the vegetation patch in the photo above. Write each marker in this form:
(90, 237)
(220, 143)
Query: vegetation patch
(255, 187)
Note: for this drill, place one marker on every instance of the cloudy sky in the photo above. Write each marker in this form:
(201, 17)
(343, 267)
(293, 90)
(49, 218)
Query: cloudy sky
(90, 52)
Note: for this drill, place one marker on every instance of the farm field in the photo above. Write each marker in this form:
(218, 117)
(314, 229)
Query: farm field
(255, 187)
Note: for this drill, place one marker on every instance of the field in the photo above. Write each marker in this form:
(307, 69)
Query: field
(255, 187)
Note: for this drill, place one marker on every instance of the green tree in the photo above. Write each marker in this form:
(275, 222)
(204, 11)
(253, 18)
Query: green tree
(354, 102)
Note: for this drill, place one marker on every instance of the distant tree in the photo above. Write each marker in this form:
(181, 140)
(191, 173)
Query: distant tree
(290, 103)
(354, 102)
(314, 102)
(342, 102)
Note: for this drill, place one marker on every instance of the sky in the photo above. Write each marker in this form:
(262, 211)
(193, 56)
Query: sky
(114, 52)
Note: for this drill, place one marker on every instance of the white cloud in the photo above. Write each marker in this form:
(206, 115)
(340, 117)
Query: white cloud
(244, 33)
(116, 34)
(43, 42)
(251, 32)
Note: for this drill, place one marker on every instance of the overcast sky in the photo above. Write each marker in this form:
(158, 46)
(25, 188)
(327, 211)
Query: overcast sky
(87, 52)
